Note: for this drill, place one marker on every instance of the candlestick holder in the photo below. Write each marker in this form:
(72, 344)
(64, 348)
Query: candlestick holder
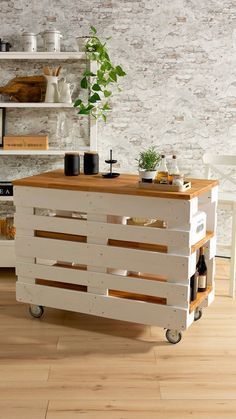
(111, 175)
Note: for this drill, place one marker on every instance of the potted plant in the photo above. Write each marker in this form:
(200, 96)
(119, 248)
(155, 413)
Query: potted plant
(147, 164)
(98, 84)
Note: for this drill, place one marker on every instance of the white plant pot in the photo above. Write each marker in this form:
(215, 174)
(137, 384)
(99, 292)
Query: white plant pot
(146, 175)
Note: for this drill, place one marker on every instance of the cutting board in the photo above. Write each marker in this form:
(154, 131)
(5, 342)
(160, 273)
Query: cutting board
(25, 89)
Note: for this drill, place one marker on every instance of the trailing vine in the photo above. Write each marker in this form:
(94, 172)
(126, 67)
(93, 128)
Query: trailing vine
(99, 85)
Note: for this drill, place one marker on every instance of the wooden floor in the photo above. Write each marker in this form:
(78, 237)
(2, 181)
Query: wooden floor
(68, 365)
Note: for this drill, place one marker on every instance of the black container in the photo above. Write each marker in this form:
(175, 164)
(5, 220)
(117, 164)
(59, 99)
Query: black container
(72, 164)
(4, 46)
(91, 163)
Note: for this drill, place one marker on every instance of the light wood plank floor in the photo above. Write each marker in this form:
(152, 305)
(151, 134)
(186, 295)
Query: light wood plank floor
(69, 366)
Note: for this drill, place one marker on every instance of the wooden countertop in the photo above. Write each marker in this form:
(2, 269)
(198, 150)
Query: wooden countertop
(125, 184)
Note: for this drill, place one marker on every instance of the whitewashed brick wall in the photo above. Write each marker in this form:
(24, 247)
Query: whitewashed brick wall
(180, 92)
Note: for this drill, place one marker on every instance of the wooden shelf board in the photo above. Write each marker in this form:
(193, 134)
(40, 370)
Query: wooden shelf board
(34, 105)
(125, 184)
(6, 198)
(42, 55)
(209, 235)
(201, 296)
(49, 152)
(6, 242)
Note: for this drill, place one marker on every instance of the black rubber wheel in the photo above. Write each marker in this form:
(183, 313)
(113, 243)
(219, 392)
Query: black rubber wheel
(197, 314)
(173, 336)
(36, 311)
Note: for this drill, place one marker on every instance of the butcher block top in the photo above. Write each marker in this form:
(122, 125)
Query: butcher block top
(125, 184)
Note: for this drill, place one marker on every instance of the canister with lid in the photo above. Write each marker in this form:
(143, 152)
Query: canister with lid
(51, 40)
(29, 41)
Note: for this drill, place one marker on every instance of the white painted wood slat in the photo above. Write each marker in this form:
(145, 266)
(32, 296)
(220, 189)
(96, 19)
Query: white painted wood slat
(176, 266)
(140, 234)
(104, 306)
(104, 280)
(177, 212)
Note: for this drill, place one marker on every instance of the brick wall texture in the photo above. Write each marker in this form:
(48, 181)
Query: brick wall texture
(180, 89)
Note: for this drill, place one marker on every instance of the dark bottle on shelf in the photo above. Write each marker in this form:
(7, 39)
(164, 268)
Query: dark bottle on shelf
(193, 286)
(202, 272)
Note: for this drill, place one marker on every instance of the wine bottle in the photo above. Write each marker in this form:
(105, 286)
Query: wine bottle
(162, 173)
(202, 272)
(193, 286)
(173, 169)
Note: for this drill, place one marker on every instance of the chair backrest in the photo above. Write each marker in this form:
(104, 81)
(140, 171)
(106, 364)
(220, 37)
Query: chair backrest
(222, 167)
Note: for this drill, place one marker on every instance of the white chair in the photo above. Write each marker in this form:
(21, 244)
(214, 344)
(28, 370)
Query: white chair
(224, 169)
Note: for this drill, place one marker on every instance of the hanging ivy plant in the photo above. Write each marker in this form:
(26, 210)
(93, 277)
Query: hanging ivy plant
(100, 84)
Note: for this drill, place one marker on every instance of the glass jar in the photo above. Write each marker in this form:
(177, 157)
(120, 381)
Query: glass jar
(10, 228)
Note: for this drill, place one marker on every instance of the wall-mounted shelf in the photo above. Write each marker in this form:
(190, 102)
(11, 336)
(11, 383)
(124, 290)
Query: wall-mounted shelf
(34, 105)
(20, 55)
(40, 152)
(6, 198)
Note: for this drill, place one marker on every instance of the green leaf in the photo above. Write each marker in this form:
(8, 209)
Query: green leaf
(104, 117)
(88, 73)
(77, 103)
(83, 112)
(107, 93)
(89, 107)
(84, 83)
(93, 29)
(113, 75)
(106, 106)
(119, 71)
(94, 98)
(96, 87)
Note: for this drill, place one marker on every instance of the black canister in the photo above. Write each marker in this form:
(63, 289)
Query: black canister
(91, 163)
(72, 164)
(4, 46)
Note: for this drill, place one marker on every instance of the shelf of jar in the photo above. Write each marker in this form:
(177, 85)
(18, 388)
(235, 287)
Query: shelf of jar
(21, 55)
(41, 152)
(35, 105)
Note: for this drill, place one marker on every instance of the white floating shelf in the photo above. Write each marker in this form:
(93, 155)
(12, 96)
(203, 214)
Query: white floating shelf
(6, 242)
(34, 105)
(6, 198)
(20, 55)
(40, 152)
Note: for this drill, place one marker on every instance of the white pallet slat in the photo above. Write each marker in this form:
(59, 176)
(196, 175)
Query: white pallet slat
(104, 280)
(177, 212)
(210, 196)
(97, 289)
(104, 306)
(179, 267)
(140, 234)
(28, 231)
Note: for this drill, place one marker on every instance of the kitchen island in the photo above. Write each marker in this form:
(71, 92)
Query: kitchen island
(81, 246)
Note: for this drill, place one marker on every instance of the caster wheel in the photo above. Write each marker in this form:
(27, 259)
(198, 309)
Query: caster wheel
(197, 314)
(173, 336)
(36, 311)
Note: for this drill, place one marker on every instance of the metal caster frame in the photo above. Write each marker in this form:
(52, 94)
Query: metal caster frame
(197, 314)
(36, 311)
(173, 336)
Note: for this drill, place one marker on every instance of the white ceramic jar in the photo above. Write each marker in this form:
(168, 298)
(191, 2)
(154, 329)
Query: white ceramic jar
(51, 40)
(29, 41)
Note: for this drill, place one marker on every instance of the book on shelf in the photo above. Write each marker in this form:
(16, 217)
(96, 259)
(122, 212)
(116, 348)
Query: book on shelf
(25, 142)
